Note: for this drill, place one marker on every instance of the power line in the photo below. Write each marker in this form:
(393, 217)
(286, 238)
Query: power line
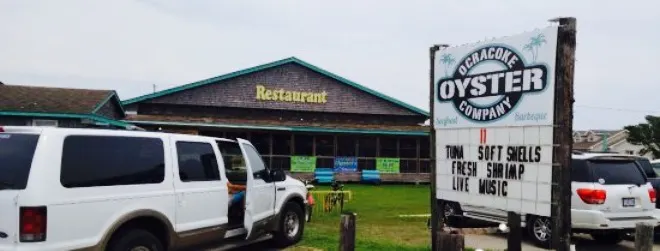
(616, 109)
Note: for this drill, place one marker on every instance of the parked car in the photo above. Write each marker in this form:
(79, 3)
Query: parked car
(656, 165)
(610, 194)
(95, 189)
(651, 174)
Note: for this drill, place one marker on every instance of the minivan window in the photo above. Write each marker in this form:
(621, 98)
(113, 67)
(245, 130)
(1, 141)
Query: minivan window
(91, 161)
(16, 153)
(617, 172)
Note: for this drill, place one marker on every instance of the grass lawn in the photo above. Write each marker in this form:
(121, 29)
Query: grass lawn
(379, 226)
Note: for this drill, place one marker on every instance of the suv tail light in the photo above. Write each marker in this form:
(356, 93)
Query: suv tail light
(592, 196)
(33, 224)
(652, 195)
(2, 129)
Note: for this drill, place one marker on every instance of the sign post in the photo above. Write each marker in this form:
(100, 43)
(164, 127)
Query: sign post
(501, 126)
(563, 139)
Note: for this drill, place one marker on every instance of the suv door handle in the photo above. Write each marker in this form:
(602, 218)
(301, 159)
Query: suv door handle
(281, 188)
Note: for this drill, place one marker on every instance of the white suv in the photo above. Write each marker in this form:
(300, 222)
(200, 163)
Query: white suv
(610, 193)
(94, 189)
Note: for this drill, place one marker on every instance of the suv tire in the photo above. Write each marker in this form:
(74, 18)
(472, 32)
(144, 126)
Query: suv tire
(134, 238)
(540, 230)
(291, 225)
(608, 238)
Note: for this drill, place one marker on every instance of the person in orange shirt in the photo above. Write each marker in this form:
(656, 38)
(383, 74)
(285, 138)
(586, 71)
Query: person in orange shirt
(237, 192)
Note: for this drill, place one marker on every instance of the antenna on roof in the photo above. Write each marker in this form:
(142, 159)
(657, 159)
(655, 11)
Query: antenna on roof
(154, 86)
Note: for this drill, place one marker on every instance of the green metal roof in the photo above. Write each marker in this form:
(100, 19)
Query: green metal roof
(113, 96)
(271, 65)
(92, 117)
(284, 128)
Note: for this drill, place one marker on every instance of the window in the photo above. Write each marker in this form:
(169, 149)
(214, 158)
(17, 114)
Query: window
(324, 162)
(656, 168)
(256, 163)
(16, 152)
(90, 161)
(388, 147)
(197, 162)
(261, 141)
(614, 172)
(647, 168)
(282, 163)
(424, 166)
(580, 172)
(325, 145)
(367, 147)
(232, 157)
(408, 166)
(366, 164)
(281, 144)
(408, 148)
(424, 150)
(303, 145)
(44, 122)
(346, 146)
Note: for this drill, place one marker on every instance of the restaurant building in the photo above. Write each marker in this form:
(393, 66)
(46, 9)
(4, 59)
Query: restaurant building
(300, 117)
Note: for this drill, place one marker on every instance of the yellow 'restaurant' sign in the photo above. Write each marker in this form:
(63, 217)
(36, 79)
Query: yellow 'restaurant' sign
(291, 96)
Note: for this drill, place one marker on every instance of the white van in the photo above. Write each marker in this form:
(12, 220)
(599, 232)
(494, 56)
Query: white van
(610, 193)
(95, 189)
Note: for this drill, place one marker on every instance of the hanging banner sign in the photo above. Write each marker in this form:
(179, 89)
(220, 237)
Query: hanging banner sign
(303, 164)
(387, 165)
(346, 164)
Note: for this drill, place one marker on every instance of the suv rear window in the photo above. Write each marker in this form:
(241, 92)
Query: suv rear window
(16, 152)
(91, 161)
(617, 172)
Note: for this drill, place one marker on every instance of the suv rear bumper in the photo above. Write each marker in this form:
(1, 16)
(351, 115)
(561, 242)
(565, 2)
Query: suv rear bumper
(596, 220)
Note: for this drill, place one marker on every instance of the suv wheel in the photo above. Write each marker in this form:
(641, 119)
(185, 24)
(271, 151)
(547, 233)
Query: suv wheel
(135, 240)
(540, 229)
(608, 238)
(291, 225)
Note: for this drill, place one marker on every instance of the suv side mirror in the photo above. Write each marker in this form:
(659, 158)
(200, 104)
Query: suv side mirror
(277, 175)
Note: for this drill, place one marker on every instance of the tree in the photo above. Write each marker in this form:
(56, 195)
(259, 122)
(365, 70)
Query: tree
(533, 46)
(647, 135)
(447, 60)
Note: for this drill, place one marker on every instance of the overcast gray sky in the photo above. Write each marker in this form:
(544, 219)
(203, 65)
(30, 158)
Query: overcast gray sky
(128, 45)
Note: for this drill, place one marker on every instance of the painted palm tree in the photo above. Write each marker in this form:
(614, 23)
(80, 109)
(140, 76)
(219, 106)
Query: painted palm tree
(447, 60)
(534, 44)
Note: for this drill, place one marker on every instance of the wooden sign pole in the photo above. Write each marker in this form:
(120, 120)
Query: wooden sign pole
(563, 140)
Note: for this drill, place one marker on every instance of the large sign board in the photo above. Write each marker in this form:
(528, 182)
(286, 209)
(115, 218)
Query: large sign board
(493, 121)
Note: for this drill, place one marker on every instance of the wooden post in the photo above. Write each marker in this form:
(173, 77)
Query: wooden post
(450, 241)
(643, 237)
(563, 140)
(514, 240)
(434, 206)
(347, 232)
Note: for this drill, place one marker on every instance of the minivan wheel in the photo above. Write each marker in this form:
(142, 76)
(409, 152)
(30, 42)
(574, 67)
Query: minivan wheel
(608, 238)
(135, 240)
(291, 225)
(540, 230)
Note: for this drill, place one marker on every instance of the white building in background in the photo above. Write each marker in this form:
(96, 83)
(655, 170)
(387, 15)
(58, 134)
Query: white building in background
(615, 140)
